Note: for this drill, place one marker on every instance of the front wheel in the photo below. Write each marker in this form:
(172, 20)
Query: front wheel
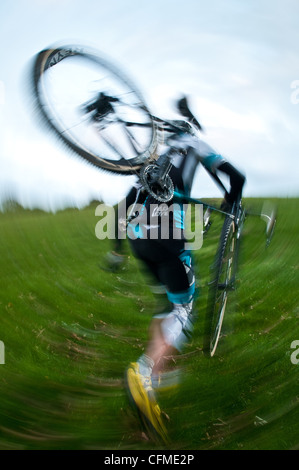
(222, 282)
(93, 108)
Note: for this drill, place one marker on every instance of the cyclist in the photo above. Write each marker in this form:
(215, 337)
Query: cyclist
(166, 257)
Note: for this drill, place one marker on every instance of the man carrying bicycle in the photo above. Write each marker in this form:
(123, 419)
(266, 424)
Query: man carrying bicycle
(166, 258)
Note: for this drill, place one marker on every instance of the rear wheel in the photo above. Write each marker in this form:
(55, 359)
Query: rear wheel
(93, 108)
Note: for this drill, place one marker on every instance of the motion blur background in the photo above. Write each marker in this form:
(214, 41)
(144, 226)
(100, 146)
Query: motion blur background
(69, 328)
(237, 61)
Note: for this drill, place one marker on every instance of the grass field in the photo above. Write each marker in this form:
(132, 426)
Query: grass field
(70, 329)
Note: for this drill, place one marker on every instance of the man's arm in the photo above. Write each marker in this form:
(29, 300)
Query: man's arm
(215, 163)
(115, 257)
(237, 181)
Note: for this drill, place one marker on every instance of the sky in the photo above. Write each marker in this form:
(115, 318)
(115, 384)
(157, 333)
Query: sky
(238, 61)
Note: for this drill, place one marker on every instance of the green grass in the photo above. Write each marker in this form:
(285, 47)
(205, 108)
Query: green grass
(70, 329)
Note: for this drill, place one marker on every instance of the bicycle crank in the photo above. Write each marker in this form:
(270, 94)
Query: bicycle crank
(160, 188)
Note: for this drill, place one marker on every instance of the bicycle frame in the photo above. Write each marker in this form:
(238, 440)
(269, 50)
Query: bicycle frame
(178, 195)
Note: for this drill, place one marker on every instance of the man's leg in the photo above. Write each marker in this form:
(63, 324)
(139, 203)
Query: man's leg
(167, 334)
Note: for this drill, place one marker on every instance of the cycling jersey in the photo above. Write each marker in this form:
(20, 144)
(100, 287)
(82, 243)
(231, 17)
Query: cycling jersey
(186, 153)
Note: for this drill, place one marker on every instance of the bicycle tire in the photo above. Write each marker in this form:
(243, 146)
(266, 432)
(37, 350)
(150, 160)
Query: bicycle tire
(46, 61)
(222, 281)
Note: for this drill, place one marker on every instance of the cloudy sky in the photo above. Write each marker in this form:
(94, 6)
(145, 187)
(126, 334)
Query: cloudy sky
(237, 60)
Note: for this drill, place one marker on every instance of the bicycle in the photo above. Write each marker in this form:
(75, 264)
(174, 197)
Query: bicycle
(110, 126)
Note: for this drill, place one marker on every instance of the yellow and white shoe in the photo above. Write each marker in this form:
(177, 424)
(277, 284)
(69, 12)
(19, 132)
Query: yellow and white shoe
(143, 397)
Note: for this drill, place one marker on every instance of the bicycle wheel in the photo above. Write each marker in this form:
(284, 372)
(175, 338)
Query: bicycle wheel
(93, 108)
(223, 276)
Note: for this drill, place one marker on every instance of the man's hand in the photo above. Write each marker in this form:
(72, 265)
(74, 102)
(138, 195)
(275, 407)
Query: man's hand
(226, 205)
